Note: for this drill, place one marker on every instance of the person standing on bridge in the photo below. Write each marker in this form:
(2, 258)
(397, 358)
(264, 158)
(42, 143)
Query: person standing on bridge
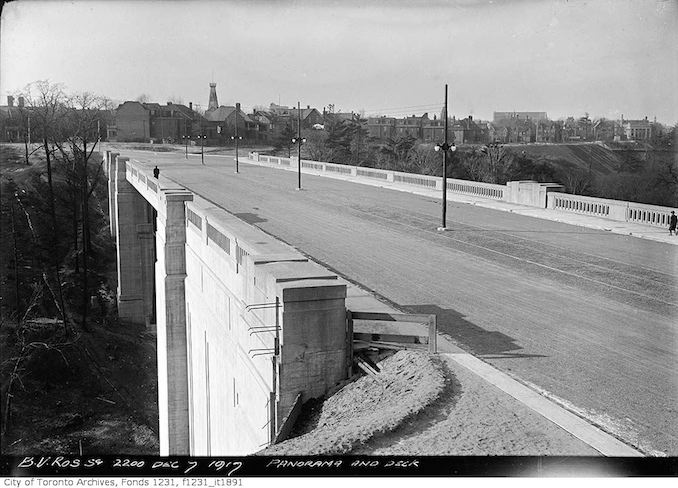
(673, 220)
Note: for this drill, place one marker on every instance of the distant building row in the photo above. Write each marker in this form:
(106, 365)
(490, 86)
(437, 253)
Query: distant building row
(178, 123)
(511, 127)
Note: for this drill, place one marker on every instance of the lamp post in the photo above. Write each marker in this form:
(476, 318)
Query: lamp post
(202, 138)
(445, 147)
(300, 141)
(186, 138)
(235, 137)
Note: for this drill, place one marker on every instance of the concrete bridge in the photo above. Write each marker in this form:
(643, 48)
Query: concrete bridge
(248, 325)
(244, 323)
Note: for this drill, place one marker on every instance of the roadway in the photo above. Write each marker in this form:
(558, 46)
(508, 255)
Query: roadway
(586, 317)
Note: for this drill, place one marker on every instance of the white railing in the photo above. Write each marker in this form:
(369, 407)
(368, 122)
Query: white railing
(476, 188)
(648, 214)
(618, 210)
(599, 207)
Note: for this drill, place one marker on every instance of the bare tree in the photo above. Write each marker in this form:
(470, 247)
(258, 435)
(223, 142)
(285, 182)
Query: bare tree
(497, 163)
(45, 101)
(80, 136)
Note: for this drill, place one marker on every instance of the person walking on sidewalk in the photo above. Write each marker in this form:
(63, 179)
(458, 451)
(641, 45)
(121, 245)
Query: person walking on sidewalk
(673, 220)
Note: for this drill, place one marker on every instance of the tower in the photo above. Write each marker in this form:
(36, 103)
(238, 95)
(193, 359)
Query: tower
(213, 104)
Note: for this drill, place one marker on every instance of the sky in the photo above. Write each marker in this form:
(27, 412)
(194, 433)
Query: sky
(391, 57)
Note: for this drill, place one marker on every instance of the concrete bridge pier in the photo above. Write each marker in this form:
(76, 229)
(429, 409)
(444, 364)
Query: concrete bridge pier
(133, 223)
(170, 275)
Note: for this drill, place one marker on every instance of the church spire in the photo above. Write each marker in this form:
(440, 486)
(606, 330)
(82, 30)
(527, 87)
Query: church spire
(213, 104)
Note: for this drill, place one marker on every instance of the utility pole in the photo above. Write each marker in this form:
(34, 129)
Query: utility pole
(299, 140)
(186, 136)
(445, 146)
(299, 137)
(235, 137)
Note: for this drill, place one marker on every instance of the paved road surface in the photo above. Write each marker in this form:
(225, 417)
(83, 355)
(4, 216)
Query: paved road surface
(587, 316)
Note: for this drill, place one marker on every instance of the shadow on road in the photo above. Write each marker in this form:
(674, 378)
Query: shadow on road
(250, 218)
(481, 342)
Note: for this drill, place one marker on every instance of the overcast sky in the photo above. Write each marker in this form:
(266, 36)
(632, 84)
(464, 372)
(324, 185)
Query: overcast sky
(605, 57)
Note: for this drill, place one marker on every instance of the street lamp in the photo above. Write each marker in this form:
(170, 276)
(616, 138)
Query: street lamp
(445, 147)
(186, 139)
(202, 138)
(236, 138)
(300, 140)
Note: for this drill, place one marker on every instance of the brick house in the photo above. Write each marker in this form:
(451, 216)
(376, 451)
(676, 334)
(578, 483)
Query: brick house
(141, 122)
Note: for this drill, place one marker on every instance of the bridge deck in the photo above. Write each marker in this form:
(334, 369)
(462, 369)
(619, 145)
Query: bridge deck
(588, 316)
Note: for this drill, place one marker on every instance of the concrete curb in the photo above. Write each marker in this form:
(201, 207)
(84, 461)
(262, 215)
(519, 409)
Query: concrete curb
(601, 441)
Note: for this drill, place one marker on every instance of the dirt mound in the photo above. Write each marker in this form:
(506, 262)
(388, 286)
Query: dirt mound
(373, 405)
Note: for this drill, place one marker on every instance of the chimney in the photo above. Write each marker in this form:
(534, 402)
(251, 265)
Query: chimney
(190, 105)
(470, 118)
(169, 103)
(21, 102)
(308, 107)
(10, 101)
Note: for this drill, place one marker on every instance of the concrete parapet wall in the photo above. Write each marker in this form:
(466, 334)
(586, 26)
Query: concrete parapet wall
(234, 275)
(531, 193)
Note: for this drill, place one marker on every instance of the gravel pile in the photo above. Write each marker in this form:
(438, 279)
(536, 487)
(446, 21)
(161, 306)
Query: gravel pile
(370, 406)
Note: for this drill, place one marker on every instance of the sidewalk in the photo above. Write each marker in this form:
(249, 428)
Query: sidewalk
(625, 228)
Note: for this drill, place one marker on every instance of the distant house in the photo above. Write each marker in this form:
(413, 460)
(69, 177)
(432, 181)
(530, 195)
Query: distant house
(637, 130)
(466, 131)
(136, 121)
(223, 122)
(535, 116)
(411, 126)
(264, 123)
(13, 120)
(309, 117)
(434, 130)
(132, 123)
(381, 127)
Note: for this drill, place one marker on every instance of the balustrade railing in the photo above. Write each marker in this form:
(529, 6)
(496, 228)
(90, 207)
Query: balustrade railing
(599, 207)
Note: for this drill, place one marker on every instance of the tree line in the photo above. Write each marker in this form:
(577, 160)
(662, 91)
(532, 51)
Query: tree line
(55, 209)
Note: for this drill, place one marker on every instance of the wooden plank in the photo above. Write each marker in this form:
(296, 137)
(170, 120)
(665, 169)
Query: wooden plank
(272, 422)
(408, 339)
(388, 345)
(391, 317)
(433, 335)
(349, 343)
(365, 366)
(288, 422)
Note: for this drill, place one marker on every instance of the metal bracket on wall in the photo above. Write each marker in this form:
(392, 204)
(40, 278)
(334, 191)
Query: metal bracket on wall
(263, 328)
(262, 351)
(257, 306)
